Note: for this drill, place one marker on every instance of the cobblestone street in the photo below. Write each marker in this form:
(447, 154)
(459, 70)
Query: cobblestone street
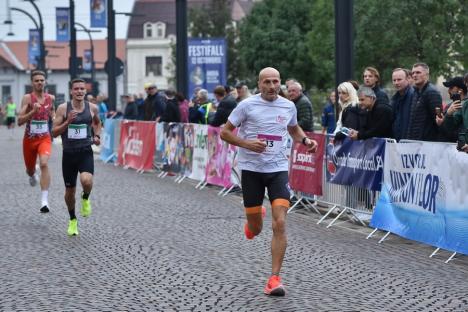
(154, 245)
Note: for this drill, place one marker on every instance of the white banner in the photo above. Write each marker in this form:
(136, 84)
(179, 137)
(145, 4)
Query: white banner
(200, 153)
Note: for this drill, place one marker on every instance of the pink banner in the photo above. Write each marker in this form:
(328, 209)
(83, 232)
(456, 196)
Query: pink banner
(220, 156)
(137, 144)
(306, 169)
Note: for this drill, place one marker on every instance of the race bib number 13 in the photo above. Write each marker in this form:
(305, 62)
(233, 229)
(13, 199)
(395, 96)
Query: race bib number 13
(274, 143)
(39, 126)
(77, 131)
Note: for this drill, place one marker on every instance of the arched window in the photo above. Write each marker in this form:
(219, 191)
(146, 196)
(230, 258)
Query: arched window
(148, 30)
(160, 30)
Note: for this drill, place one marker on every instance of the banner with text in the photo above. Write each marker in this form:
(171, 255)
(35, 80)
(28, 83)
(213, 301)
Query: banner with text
(137, 144)
(98, 13)
(62, 29)
(200, 152)
(107, 140)
(34, 46)
(220, 157)
(424, 195)
(206, 63)
(306, 169)
(357, 163)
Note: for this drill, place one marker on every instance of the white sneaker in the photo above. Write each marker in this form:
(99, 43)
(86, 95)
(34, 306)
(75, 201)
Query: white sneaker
(33, 179)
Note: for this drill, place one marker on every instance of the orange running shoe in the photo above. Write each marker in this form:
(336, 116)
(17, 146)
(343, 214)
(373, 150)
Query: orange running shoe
(247, 232)
(274, 287)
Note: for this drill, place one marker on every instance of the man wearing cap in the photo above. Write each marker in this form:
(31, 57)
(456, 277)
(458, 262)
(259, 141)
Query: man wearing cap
(242, 92)
(455, 120)
(154, 103)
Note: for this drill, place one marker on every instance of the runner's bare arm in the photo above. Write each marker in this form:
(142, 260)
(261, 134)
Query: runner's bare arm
(60, 121)
(299, 136)
(96, 124)
(227, 135)
(52, 111)
(26, 112)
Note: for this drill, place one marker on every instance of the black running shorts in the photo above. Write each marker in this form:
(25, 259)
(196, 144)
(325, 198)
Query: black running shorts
(74, 161)
(254, 183)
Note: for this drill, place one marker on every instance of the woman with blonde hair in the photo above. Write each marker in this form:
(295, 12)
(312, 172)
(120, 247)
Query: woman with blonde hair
(351, 116)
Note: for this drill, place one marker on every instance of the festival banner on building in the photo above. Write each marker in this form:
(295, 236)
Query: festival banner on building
(107, 139)
(206, 63)
(200, 152)
(62, 29)
(98, 13)
(220, 156)
(137, 144)
(357, 163)
(424, 194)
(34, 46)
(306, 169)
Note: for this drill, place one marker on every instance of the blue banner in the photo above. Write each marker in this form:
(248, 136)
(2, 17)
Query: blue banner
(206, 64)
(98, 13)
(34, 46)
(108, 140)
(87, 61)
(357, 163)
(424, 195)
(62, 18)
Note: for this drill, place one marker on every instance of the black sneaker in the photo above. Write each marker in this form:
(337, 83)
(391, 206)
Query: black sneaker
(44, 209)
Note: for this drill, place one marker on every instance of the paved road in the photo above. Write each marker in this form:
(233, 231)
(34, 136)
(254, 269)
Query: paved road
(153, 245)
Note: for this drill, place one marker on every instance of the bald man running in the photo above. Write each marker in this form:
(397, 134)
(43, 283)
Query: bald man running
(264, 121)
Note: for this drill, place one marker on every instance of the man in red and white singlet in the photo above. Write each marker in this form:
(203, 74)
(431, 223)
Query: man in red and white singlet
(37, 108)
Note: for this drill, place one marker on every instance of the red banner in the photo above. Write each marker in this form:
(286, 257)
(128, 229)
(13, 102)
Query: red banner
(137, 144)
(306, 169)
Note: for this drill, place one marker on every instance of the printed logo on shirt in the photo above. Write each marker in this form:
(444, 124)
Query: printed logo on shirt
(281, 119)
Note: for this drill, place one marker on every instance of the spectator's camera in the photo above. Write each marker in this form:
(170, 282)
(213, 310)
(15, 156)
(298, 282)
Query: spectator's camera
(455, 97)
(345, 131)
(461, 139)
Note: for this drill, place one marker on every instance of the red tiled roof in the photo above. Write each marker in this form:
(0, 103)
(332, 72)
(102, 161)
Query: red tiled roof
(59, 52)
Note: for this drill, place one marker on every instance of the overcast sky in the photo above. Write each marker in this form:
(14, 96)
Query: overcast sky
(21, 23)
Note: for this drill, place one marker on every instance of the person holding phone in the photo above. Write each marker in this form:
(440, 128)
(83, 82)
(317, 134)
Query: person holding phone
(457, 90)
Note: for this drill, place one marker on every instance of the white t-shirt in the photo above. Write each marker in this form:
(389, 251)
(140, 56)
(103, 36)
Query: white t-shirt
(262, 119)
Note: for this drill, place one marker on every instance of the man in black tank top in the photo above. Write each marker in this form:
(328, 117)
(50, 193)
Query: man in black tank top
(73, 121)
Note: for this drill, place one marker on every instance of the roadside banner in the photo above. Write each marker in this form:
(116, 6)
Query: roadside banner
(200, 152)
(108, 139)
(186, 161)
(424, 195)
(62, 20)
(220, 157)
(98, 13)
(160, 144)
(357, 163)
(174, 148)
(137, 144)
(34, 46)
(306, 169)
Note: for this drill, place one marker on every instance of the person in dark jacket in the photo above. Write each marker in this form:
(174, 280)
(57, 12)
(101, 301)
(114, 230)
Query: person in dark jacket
(328, 115)
(371, 79)
(351, 115)
(226, 103)
(401, 102)
(172, 112)
(131, 109)
(303, 106)
(379, 117)
(154, 103)
(422, 125)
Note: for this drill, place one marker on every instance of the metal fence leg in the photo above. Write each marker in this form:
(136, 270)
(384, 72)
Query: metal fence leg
(177, 178)
(228, 190)
(434, 252)
(383, 238)
(222, 191)
(199, 184)
(326, 215)
(295, 204)
(337, 217)
(203, 185)
(160, 174)
(372, 233)
(165, 174)
(451, 257)
(312, 205)
(109, 158)
(181, 179)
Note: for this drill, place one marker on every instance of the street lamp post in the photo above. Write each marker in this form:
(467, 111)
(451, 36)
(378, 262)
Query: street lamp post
(41, 63)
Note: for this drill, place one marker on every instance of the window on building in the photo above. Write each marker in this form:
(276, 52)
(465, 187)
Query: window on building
(148, 30)
(160, 30)
(154, 66)
(6, 92)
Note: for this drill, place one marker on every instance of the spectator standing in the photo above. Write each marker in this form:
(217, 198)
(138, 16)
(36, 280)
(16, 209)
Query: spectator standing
(131, 109)
(379, 117)
(351, 116)
(303, 106)
(457, 93)
(140, 103)
(371, 79)
(154, 103)
(242, 92)
(205, 106)
(328, 115)
(102, 107)
(422, 125)
(401, 102)
(172, 112)
(183, 107)
(226, 105)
